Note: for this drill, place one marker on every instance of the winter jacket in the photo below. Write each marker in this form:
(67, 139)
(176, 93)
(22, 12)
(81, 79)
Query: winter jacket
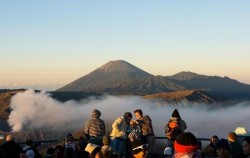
(146, 126)
(95, 127)
(119, 128)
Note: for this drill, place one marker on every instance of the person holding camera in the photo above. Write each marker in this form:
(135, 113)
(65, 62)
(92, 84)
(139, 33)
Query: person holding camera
(145, 123)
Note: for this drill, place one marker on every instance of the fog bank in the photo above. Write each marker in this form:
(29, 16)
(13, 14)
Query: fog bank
(31, 110)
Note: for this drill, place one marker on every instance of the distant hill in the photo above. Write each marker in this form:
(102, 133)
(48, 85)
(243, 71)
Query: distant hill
(221, 88)
(120, 77)
(194, 96)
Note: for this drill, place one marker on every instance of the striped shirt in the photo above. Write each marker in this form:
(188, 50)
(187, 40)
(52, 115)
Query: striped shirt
(95, 127)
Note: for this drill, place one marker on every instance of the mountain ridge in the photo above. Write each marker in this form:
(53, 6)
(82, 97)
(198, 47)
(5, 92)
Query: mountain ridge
(120, 77)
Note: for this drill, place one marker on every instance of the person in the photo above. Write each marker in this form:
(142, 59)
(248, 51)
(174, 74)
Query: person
(10, 149)
(175, 126)
(119, 134)
(210, 150)
(106, 148)
(50, 153)
(70, 146)
(223, 148)
(186, 145)
(235, 146)
(59, 151)
(134, 136)
(94, 150)
(30, 150)
(81, 153)
(246, 147)
(95, 128)
(147, 130)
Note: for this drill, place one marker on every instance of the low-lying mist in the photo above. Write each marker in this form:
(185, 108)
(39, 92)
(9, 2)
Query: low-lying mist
(39, 111)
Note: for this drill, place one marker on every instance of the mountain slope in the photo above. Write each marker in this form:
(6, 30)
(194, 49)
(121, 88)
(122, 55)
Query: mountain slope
(195, 96)
(221, 88)
(111, 75)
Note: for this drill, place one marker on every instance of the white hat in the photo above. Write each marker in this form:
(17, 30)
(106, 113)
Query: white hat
(91, 147)
(168, 151)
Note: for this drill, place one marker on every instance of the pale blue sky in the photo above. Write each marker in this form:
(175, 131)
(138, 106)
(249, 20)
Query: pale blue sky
(47, 44)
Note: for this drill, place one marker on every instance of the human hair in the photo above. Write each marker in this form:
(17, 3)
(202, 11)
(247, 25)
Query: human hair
(29, 142)
(247, 139)
(215, 137)
(232, 136)
(138, 111)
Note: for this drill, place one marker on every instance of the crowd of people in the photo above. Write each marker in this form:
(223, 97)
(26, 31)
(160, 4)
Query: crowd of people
(131, 138)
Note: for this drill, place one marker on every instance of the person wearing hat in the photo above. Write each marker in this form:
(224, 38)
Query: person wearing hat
(94, 128)
(70, 146)
(186, 146)
(223, 149)
(177, 121)
(119, 133)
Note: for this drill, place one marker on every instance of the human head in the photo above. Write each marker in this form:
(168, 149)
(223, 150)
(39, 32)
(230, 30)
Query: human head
(232, 137)
(128, 116)
(93, 150)
(138, 113)
(9, 138)
(168, 151)
(29, 142)
(214, 139)
(96, 113)
(222, 148)
(186, 143)
(246, 146)
(176, 114)
(105, 140)
(50, 152)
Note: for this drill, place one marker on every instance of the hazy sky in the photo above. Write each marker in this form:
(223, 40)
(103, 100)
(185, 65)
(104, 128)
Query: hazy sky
(49, 43)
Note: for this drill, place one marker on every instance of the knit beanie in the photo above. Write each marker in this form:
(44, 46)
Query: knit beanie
(222, 143)
(176, 113)
(127, 114)
(96, 113)
(186, 143)
(69, 136)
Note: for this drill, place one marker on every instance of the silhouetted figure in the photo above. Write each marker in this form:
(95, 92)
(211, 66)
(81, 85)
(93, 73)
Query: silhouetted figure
(10, 149)
(246, 147)
(223, 148)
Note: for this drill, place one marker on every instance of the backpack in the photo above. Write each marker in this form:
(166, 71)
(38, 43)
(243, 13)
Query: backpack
(172, 129)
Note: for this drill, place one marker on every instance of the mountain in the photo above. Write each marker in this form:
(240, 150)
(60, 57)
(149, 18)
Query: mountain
(120, 77)
(194, 96)
(221, 88)
(117, 77)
